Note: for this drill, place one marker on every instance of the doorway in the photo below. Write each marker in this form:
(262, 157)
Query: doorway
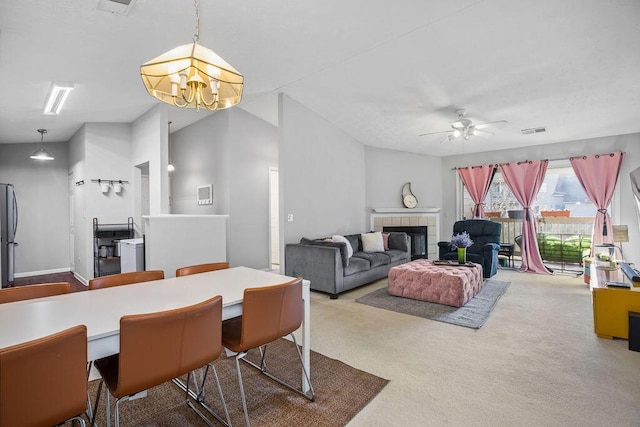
(274, 219)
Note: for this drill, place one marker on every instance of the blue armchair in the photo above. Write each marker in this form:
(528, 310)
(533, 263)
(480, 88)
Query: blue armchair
(486, 244)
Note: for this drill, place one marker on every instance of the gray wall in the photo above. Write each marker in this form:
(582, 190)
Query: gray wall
(232, 150)
(624, 211)
(43, 203)
(389, 170)
(322, 176)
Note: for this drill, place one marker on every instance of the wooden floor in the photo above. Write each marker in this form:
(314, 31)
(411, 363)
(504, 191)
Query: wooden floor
(76, 285)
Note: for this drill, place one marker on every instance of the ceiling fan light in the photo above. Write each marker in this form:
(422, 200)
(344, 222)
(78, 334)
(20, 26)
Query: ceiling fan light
(456, 133)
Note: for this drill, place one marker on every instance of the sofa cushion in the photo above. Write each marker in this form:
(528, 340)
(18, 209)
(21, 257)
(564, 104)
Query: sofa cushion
(356, 265)
(398, 241)
(338, 238)
(354, 239)
(375, 258)
(385, 241)
(396, 255)
(372, 242)
(340, 245)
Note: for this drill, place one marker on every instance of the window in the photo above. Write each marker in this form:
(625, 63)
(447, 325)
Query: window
(560, 190)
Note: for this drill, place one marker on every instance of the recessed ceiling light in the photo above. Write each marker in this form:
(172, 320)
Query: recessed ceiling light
(58, 93)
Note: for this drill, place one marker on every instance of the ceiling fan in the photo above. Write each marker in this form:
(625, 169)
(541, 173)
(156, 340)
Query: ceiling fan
(463, 127)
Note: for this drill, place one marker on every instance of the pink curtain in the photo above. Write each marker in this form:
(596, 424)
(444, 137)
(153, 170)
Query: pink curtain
(524, 179)
(477, 180)
(598, 175)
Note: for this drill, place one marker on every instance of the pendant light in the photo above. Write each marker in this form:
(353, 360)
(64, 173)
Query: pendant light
(170, 166)
(42, 154)
(192, 76)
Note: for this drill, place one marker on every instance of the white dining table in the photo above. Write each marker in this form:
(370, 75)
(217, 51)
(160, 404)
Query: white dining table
(100, 310)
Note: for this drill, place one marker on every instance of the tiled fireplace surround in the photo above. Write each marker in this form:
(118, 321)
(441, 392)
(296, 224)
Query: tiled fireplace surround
(399, 217)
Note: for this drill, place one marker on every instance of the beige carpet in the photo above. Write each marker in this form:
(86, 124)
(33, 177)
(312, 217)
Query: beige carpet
(535, 362)
(341, 391)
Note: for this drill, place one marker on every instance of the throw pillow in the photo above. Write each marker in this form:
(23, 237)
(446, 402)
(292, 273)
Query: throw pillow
(372, 242)
(338, 238)
(385, 241)
(398, 241)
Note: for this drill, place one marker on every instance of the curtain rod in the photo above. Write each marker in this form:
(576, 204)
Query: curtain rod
(543, 160)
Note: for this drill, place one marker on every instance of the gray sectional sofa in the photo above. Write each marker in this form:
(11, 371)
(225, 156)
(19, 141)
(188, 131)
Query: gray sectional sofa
(329, 268)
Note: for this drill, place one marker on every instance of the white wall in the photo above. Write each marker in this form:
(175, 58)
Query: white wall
(624, 214)
(99, 151)
(82, 235)
(389, 170)
(43, 206)
(149, 138)
(322, 175)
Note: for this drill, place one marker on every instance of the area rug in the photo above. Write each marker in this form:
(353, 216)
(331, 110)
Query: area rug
(341, 392)
(472, 315)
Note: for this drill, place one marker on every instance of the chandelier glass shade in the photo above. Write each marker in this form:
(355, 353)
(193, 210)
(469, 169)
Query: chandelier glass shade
(192, 76)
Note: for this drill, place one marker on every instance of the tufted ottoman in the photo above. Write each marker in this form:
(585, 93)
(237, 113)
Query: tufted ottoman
(443, 284)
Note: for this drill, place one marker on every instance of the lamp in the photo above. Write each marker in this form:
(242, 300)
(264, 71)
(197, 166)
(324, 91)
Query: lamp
(192, 76)
(56, 97)
(621, 235)
(41, 154)
(170, 167)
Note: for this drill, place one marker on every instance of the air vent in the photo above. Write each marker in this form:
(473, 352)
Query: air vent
(117, 7)
(533, 130)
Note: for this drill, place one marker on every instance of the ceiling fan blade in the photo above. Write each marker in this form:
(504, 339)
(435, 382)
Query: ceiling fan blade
(435, 133)
(447, 138)
(480, 132)
(489, 124)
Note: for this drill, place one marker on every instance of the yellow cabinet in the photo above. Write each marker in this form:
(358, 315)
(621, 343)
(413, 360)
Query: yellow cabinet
(611, 306)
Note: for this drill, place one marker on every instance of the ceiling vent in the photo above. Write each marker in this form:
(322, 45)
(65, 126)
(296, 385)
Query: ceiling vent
(533, 130)
(117, 7)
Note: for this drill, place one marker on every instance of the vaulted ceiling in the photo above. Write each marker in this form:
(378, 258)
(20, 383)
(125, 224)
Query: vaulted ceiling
(383, 72)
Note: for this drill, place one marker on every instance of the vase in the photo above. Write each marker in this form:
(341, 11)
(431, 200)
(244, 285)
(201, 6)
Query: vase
(462, 255)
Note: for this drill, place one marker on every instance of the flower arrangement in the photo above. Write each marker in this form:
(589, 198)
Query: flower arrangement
(461, 240)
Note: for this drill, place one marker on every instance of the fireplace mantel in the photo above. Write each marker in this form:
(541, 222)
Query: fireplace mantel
(406, 210)
(429, 217)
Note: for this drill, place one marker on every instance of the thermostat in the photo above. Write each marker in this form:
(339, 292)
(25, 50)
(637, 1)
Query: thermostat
(205, 194)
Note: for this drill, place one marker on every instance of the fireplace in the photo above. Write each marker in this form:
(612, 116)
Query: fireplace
(418, 235)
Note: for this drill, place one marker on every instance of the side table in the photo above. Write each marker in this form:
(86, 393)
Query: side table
(506, 249)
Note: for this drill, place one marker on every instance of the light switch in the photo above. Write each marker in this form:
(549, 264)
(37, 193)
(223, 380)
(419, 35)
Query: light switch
(290, 217)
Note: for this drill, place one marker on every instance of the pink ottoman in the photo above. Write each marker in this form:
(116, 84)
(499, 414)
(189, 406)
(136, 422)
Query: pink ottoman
(443, 284)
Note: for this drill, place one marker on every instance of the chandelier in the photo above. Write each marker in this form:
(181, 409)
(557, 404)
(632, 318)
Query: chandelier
(192, 76)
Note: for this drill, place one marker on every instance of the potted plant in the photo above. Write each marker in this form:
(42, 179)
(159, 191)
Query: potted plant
(461, 242)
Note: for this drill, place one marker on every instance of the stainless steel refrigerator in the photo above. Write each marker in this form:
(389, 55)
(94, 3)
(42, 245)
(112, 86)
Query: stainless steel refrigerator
(8, 227)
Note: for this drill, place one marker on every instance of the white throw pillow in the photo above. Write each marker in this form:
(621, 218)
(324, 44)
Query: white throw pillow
(338, 238)
(372, 242)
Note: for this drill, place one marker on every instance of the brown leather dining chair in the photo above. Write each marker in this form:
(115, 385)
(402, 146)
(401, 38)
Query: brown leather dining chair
(125, 279)
(157, 347)
(20, 293)
(268, 313)
(201, 268)
(44, 382)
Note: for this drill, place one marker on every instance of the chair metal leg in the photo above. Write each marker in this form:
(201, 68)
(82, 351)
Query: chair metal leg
(108, 408)
(199, 397)
(80, 420)
(93, 418)
(116, 412)
(242, 395)
(262, 368)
